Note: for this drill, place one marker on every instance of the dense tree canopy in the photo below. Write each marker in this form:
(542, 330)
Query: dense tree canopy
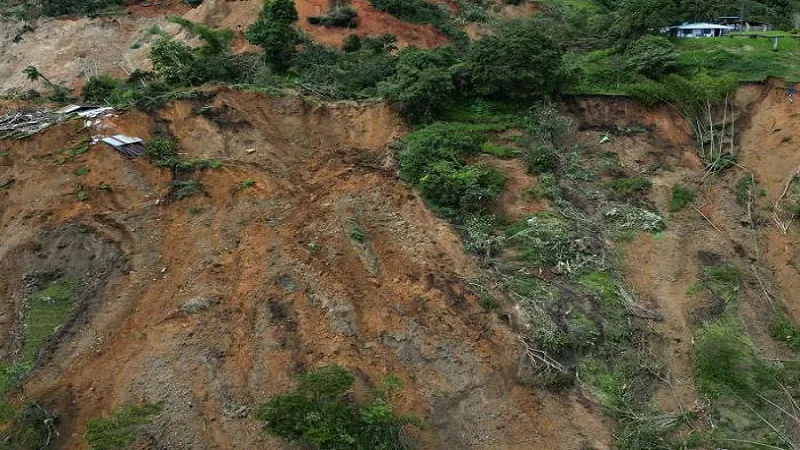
(519, 61)
(273, 31)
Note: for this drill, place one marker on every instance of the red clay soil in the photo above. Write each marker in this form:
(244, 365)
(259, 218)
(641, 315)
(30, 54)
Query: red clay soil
(371, 22)
(216, 302)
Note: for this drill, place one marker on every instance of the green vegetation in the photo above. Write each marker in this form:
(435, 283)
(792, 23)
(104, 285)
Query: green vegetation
(748, 396)
(182, 189)
(80, 171)
(30, 427)
(519, 61)
(422, 12)
(681, 196)
(358, 234)
(320, 414)
(119, 430)
(435, 160)
(47, 310)
(629, 187)
(338, 16)
(80, 192)
(500, 151)
(782, 329)
(245, 184)
(743, 189)
(274, 33)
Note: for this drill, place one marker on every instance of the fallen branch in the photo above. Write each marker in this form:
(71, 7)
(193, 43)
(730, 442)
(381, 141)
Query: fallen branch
(707, 219)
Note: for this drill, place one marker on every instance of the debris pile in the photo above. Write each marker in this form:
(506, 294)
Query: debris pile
(20, 124)
(23, 123)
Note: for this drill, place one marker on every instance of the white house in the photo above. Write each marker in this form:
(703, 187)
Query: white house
(696, 30)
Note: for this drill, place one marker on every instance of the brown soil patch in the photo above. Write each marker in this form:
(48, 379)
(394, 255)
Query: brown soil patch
(283, 285)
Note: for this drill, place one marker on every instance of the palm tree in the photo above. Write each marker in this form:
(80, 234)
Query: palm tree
(33, 74)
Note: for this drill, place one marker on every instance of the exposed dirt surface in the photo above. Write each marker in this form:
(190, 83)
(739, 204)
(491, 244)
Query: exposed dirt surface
(662, 269)
(69, 51)
(213, 303)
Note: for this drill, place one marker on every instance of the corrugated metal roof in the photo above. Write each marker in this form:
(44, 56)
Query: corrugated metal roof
(129, 146)
(112, 142)
(127, 139)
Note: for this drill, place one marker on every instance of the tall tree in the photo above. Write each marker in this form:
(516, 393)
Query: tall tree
(519, 61)
(273, 31)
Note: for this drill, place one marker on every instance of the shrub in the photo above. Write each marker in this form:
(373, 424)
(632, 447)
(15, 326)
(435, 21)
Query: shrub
(456, 188)
(725, 362)
(422, 83)
(681, 196)
(358, 234)
(245, 184)
(352, 43)
(319, 414)
(743, 187)
(438, 142)
(414, 11)
(31, 428)
(323, 70)
(542, 159)
(544, 240)
(174, 61)
(628, 187)
(650, 56)
(186, 188)
(343, 16)
(480, 237)
(517, 62)
(99, 89)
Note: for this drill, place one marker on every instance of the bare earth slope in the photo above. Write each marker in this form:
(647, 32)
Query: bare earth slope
(213, 303)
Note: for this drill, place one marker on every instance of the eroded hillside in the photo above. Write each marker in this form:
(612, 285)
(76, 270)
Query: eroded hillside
(212, 303)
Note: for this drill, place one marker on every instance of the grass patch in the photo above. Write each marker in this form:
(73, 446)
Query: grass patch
(748, 59)
(320, 414)
(782, 329)
(499, 151)
(245, 184)
(681, 196)
(722, 280)
(119, 430)
(47, 310)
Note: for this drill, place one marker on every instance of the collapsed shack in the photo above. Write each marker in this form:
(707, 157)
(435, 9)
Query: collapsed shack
(23, 123)
(128, 146)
